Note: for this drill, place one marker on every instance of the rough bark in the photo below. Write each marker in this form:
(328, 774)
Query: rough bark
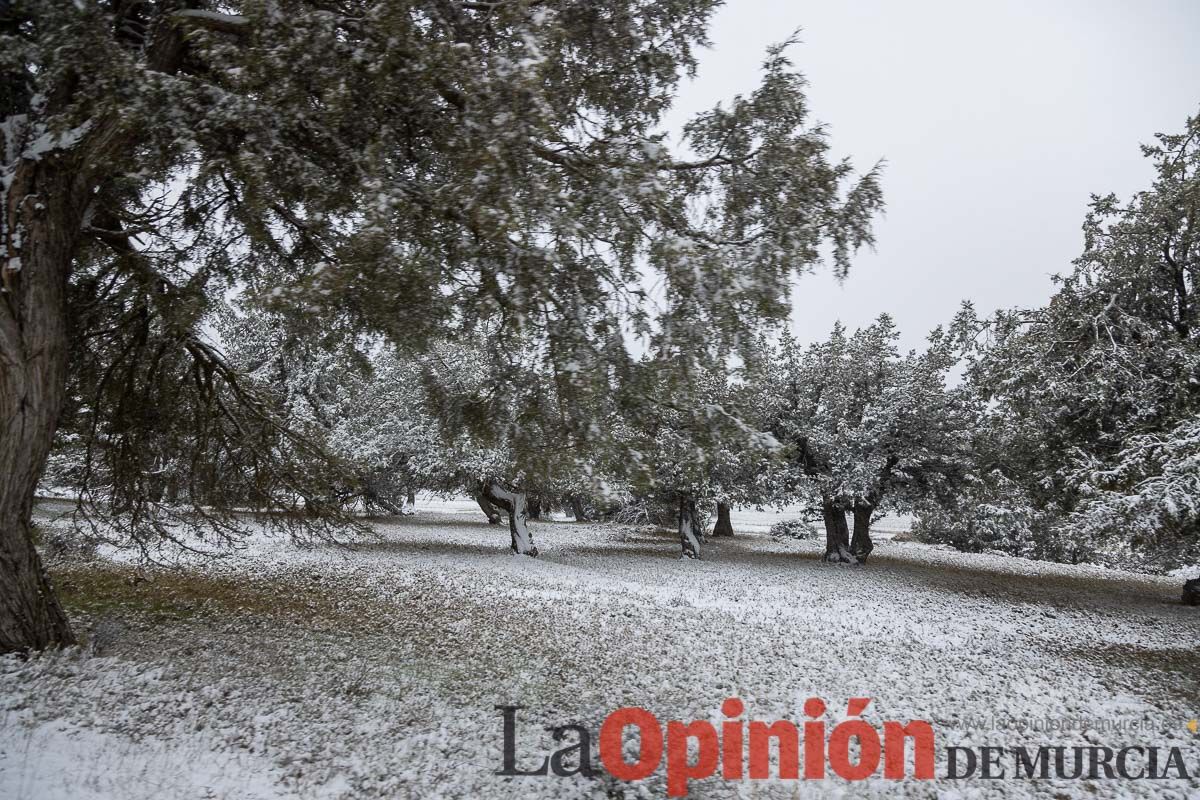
(489, 510)
(33, 373)
(516, 505)
(861, 545)
(723, 527)
(577, 508)
(837, 534)
(689, 527)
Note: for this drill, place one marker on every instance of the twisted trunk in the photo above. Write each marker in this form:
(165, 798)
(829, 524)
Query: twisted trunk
(39, 243)
(723, 527)
(837, 534)
(860, 545)
(689, 527)
(516, 505)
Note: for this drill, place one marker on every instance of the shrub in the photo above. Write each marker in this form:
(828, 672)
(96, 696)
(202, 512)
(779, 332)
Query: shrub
(793, 529)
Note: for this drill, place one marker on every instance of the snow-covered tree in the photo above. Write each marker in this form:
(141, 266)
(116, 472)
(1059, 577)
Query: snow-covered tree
(691, 443)
(1144, 503)
(365, 405)
(1088, 440)
(865, 429)
(413, 168)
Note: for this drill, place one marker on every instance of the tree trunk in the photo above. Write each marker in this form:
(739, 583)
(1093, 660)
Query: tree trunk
(860, 545)
(689, 528)
(837, 534)
(516, 505)
(489, 510)
(172, 490)
(723, 527)
(1191, 592)
(577, 508)
(535, 506)
(38, 246)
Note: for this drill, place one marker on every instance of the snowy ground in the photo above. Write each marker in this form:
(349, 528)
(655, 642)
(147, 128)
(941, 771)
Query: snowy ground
(748, 520)
(374, 672)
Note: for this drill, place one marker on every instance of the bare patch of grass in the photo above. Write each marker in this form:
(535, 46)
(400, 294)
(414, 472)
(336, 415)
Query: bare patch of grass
(100, 589)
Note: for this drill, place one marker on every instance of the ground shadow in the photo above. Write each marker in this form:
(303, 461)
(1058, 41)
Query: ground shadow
(897, 568)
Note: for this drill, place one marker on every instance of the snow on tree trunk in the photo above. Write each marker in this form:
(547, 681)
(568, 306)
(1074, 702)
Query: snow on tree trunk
(489, 510)
(860, 545)
(516, 505)
(837, 534)
(689, 528)
(723, 527)
(33, 377)
(577, 508)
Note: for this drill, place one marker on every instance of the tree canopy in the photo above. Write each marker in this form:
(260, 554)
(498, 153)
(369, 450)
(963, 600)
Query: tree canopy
(1086, 449)
(419, 171)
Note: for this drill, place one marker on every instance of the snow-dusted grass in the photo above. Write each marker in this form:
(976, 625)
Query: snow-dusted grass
(373, 672)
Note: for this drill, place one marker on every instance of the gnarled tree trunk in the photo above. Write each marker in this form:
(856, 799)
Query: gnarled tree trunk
(723, 527)
(860, 545)
(837, 534)
(39, 241)
(689, 527)
(515, 504)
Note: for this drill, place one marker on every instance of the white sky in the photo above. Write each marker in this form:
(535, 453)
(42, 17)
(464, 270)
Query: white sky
(997, 122)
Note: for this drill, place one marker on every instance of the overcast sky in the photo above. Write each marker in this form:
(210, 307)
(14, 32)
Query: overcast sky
(997, 122)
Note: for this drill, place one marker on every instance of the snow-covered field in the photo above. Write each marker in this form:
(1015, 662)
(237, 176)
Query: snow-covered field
(317, 672)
